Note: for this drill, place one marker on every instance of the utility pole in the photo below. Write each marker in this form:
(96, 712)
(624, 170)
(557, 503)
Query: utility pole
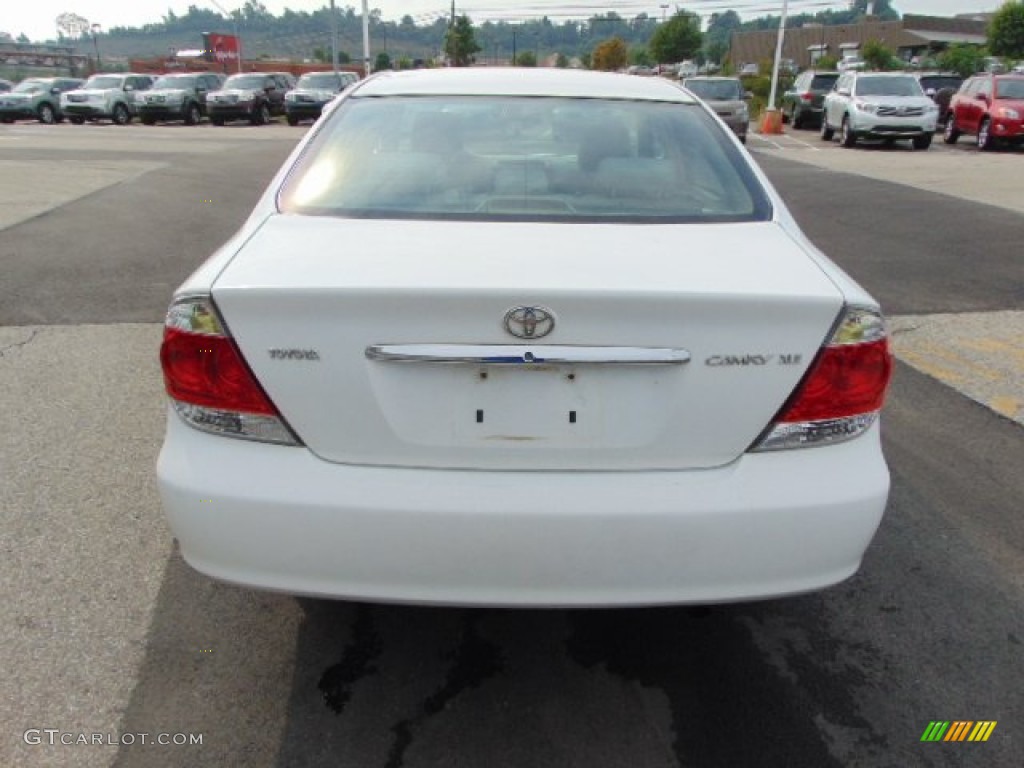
(513, 46)
(450, 41)
(366, 40)
(334, 37)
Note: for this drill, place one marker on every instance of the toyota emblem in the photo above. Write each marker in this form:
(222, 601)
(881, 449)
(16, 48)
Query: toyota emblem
(529, 322)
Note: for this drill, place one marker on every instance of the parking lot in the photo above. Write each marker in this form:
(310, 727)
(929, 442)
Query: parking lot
(107, 631)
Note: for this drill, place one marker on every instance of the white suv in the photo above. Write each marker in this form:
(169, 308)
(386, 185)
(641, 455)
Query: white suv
(110, 96)
(879, 105)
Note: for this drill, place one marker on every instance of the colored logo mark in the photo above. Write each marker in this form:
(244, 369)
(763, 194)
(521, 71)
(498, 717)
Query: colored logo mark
(958, 730)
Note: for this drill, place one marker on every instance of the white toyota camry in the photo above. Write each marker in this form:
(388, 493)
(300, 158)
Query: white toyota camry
(523, 337)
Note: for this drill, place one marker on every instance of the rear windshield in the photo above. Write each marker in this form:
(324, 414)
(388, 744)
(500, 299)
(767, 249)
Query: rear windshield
(1010, 88)
(938, 82)
(523, 159)
(888, 86)
(823, 82)
(715, 90)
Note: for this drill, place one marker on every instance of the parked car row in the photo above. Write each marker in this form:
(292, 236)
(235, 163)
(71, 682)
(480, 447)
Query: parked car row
(908, 105)
(256, 97)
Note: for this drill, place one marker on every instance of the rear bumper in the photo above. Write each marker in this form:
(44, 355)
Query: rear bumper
(279, 518)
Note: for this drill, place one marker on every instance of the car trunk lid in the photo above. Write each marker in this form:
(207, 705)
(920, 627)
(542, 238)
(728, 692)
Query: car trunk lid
(312, 301)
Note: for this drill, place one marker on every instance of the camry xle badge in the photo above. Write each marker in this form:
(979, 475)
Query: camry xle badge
(529, 322)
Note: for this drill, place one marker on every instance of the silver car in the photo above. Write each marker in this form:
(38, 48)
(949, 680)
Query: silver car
(36, 98)
(105, 96)
(725, 95)
(879, 105)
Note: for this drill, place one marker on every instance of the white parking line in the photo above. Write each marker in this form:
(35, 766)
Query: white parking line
(766, 141)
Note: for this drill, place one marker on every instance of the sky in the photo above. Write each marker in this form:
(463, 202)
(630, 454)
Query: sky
(35, 18)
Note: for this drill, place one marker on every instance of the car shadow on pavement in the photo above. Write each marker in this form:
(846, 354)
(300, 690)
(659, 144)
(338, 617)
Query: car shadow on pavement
(271, 680)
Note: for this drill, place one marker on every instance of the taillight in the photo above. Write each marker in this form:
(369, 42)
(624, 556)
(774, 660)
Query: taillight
(208, 381)
(806, 96)
(843, 390)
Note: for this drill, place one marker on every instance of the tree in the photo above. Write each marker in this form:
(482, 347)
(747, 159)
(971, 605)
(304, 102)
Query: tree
(965, 60)
(383, 61)
(640, 56)
(1006, 31)
(876, 55)
(719, 35)
(526, 59)
(23, 38)
(561, 61)
(677, 39)
(460, 43)
(610, 55)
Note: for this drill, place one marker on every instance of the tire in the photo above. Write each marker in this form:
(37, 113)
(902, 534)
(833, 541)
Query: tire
(46, 114)
(986, 142)
(76, 119)
(785, 118)
(121, 115)
(217, 120)
(797, 119)
(950, 134)
(262, 115)
(923, 141)
(192, 114)
(292, 120)
(827, 132)
(846, 136)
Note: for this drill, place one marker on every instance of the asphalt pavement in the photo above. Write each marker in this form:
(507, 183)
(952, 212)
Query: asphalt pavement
(108, 632)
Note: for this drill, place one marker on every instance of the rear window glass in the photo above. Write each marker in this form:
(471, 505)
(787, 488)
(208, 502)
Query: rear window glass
(716, 90)
(823, 82)
(525, 159)
(938, 82)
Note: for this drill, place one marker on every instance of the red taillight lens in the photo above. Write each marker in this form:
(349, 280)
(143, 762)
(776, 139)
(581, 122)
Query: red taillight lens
(807, 96)
(210, 385)
(844, 381)
(206, 370)
(842, 392)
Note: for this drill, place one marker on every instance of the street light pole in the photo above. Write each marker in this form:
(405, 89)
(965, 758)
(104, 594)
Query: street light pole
(95, 44)
(778, 56)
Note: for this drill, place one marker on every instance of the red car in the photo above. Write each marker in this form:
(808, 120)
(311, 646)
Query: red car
(989, 106)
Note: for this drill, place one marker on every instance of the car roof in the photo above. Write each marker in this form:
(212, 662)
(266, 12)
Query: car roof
(712, 77)
(520, 81)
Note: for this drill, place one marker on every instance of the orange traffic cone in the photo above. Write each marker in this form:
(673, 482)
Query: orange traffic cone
(771, 121)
